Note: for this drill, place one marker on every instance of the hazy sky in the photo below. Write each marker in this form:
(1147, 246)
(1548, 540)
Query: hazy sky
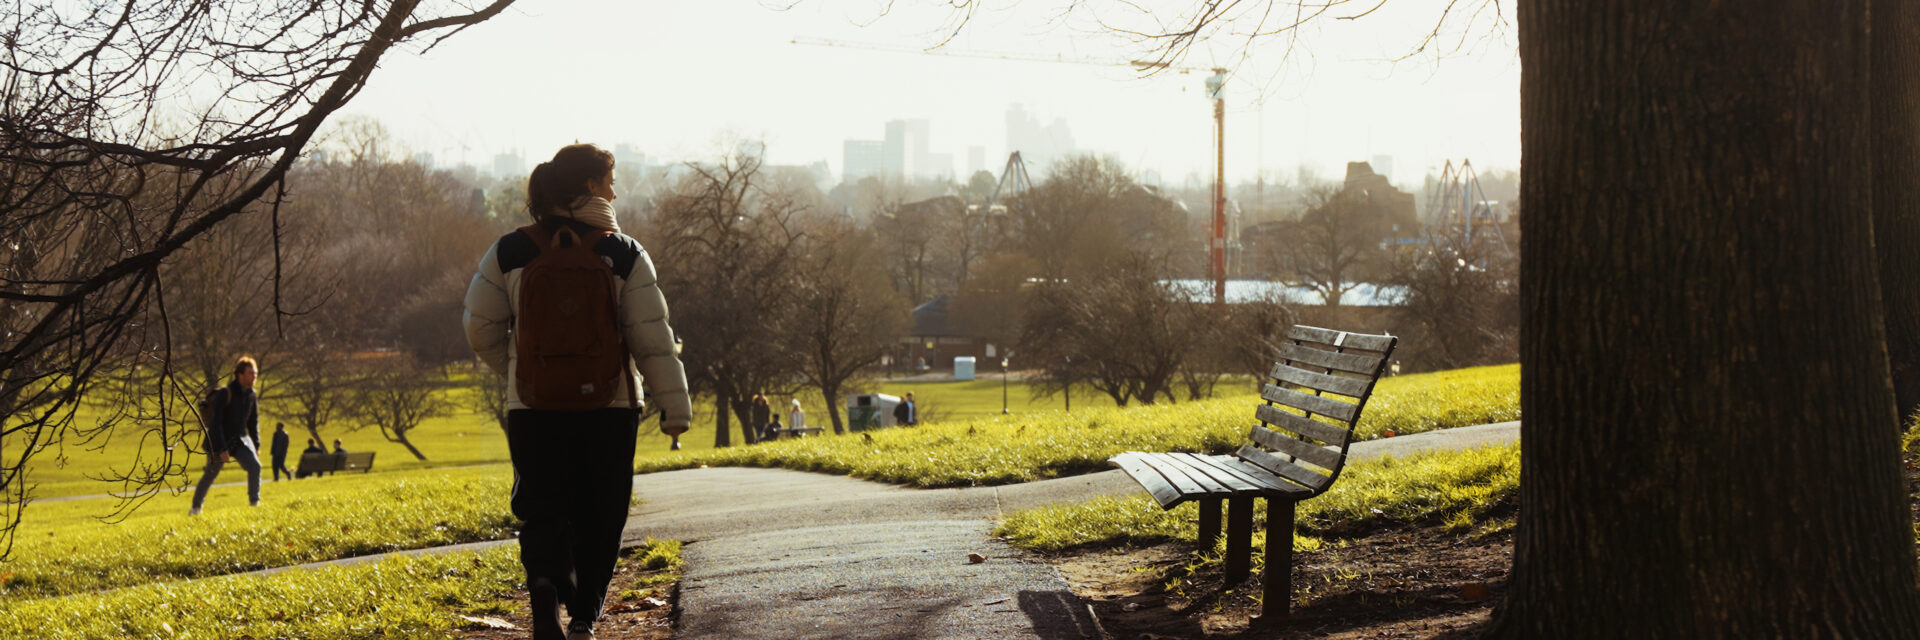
(680, 79)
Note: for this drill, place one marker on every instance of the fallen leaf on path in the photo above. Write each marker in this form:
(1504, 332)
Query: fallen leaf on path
(1475, 592)
(975, 558)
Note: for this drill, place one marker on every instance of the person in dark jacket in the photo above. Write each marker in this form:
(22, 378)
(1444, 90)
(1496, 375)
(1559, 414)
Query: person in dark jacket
(280, 445)
(313, 446)
(760, 414)
(233, 432)
(905, 413)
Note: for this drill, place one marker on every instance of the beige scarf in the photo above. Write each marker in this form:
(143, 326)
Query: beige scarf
(593, 210)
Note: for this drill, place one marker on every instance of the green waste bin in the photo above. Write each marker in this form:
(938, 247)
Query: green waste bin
(863, 418)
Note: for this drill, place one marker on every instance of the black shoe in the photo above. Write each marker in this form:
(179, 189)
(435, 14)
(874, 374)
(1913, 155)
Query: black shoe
(546, 611)
(580, 629)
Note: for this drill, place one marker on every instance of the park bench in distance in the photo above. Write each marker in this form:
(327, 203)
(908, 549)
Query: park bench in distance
(314, 463)
(1291, 457)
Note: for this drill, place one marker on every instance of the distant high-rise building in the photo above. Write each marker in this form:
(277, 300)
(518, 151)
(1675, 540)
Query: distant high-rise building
(1383, 165)
(899, 148)
(423, 159)
(627, 155)
(976, 159)
(510, 164)
(862, 158)
(1037, 145)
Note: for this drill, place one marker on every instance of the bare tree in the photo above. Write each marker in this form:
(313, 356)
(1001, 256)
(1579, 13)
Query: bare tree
(320, 383)
(396, 396)
(1463, 294)
(726, 250)
(1118, 329)
(845, 315)
(105, 179)
(1331, 246)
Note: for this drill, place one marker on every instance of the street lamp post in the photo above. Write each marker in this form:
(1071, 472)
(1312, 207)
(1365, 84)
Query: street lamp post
(1069, 385)
(1003, 382)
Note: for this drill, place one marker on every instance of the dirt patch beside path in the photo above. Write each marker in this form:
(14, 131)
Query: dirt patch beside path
(1418, 583)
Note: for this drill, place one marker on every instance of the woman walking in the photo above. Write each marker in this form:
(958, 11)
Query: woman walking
(565, 308)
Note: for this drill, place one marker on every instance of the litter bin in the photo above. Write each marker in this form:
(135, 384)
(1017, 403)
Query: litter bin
(963, 368)
(870, 411)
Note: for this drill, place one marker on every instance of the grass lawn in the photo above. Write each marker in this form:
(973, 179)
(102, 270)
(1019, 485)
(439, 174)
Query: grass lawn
(63, 548)
(398, 597)
(1031, 446)
(467, 438)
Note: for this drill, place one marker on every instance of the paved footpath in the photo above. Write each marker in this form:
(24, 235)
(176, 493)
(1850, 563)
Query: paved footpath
(773, 553)
(784, 554)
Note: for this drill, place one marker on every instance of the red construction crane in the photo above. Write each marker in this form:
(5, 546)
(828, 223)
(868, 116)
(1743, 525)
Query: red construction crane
(1217, 242)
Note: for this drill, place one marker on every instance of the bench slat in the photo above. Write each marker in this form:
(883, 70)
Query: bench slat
(1322, 405)
(1291, 489)
(1272, 463)
(1366, 341)
(1189, 481)
(1269, 483)
(1157, 485)
(1325, 458)
(1234, 484)
(1331, 434)
(1364, 365)
(1350, 387)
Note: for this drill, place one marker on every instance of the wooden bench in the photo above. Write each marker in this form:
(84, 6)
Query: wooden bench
(315, 463)
(1292, 456)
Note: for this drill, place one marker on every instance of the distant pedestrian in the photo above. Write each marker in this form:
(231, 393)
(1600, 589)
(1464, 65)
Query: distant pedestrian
(280, 444)
(231, 415)
(797, 418)
(773, 429)
(564, 284)
(905, 413)
(760, 416)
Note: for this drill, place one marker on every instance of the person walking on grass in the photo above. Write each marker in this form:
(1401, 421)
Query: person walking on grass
(231, 415)
(280, 444)
(565, 308)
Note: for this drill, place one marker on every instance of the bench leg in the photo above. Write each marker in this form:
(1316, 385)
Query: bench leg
(1239, 538)
(1277, 590)
(1209, 523)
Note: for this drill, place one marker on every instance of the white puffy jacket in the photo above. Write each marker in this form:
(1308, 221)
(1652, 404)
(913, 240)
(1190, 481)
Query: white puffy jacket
(494, 294)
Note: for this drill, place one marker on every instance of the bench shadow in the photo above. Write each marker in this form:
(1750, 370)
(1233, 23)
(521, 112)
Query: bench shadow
(1059, 615)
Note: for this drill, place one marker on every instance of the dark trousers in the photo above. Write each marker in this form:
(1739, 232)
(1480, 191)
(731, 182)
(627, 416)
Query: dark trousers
(248, 460)
(280, 466)
(573, 483)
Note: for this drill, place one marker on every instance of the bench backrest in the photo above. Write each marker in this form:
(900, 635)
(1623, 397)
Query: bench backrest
(316, 462)
(1304, 432)
(356, 461)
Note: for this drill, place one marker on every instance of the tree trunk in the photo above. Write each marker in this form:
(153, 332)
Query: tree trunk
(1706, 393)
(721, 421)
(743, 410)
(401, 437)
(832, 394)
(1896, 195)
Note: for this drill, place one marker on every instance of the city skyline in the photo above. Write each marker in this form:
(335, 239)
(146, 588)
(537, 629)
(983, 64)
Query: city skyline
(546, 75)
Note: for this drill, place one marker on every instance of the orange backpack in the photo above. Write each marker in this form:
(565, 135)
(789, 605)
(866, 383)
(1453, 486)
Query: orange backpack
(568, 351)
